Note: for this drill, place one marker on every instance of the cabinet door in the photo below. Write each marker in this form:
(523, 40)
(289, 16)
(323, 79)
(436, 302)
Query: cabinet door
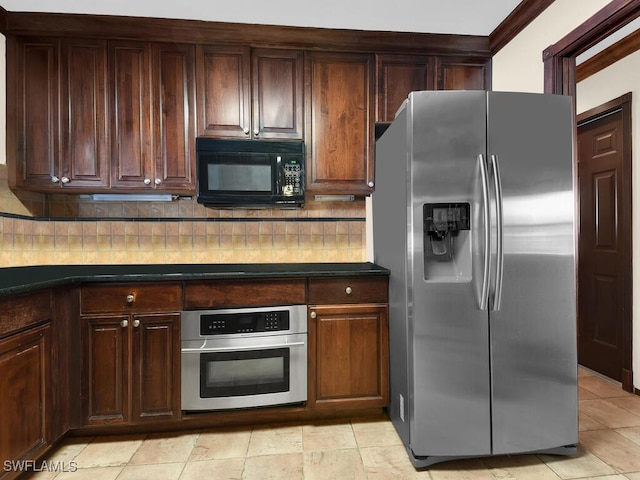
(340, 159)
(25, 392)
(463, 74)
(131, 142)
(105, 369)
(351, 356)
(277, 94)
(223, 91)
(35, 103)
(156, 367)
(397, 75)
(83, 114)
(174, 126)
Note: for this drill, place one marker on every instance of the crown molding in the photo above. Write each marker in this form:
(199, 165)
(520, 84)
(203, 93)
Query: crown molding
(522, 15)
(201, 32)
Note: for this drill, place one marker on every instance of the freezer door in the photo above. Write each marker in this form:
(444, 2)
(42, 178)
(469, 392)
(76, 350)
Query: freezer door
(533, 330)
(447, 330)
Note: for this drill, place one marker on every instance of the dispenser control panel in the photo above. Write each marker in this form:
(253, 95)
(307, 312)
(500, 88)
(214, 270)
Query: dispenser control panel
(441, 219)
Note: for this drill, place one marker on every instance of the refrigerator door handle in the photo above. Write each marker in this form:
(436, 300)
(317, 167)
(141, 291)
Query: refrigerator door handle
(497, 295)
(484, 175)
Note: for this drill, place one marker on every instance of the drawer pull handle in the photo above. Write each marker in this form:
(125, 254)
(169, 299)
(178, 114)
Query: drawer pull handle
(124, 323)
(314, 314)
(131, 298)
(348, 290)
(136, 323)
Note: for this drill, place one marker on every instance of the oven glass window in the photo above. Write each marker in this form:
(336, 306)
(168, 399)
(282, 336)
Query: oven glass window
(229, 374)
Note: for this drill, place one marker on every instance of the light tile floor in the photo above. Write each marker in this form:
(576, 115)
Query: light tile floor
(359, 449)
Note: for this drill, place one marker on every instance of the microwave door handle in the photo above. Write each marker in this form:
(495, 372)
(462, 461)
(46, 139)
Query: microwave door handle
(278, 174)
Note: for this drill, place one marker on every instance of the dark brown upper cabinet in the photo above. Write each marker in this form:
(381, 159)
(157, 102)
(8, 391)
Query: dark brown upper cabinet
(173, 87)
(131, 141)
(84, 162)
(461, 73)
(32, 112)
(396, 76)
(152, 125)
(95, 114)
(250, 93)
(100, 104)
(62, 136)
(340, 123)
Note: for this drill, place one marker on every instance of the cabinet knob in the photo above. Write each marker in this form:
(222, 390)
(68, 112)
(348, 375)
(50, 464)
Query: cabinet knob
(64, 180)
(124, 323)
(371, 184)
(147, 181)
(256, 132)
(348, 290)
(157, 181)
(136, 323)
(54, 179)
(314, 314)
(246, 130)
(131, 298)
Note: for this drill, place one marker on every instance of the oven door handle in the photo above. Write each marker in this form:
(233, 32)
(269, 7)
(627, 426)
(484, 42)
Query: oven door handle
(235, 349)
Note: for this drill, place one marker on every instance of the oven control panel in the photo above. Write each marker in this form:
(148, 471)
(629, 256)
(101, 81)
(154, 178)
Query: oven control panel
(245, 322)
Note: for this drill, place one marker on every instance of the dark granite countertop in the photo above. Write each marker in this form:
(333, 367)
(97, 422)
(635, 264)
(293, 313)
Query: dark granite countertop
(15, 280)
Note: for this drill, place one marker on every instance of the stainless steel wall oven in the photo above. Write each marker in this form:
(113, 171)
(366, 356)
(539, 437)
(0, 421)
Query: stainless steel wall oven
(244, 357)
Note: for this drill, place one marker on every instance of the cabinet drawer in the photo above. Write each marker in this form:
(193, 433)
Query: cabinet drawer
(22, 311)
(348, 290)
(244, 293)
(131, 297)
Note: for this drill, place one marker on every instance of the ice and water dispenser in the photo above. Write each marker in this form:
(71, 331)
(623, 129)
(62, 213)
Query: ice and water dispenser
(447, 242)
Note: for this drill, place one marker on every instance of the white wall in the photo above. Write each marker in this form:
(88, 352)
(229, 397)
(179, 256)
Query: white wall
(519, 67)
(620, 78)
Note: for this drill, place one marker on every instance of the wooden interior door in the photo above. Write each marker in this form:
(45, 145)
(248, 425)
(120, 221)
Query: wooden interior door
(604, 245)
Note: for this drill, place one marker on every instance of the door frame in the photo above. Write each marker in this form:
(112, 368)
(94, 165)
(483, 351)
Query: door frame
(560, 76)
(623, 105)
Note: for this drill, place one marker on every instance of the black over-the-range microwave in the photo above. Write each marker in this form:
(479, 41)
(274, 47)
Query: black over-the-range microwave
(250, 173)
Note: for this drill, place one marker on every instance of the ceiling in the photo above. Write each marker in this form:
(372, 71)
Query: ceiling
(462, 17)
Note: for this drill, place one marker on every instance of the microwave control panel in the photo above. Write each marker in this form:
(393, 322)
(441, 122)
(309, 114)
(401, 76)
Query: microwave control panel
(292, 178)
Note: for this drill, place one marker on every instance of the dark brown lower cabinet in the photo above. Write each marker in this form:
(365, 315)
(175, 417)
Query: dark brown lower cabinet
(131, 368)
(349, 359)
(25, 393)
(103, 355)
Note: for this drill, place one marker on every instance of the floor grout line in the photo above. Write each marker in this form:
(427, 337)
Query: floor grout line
(372, 458)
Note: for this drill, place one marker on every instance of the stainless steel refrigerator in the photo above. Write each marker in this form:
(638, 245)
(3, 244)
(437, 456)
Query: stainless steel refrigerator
(473, 213)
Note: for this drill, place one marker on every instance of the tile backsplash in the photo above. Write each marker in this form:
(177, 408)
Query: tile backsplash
(77, 230)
